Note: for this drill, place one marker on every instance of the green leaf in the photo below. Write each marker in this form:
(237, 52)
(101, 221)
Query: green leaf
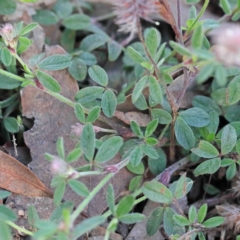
(162, 115)
(67, 39)
(156, 166)
(7, 214)
(206, 103)
(154, 221)
(205, 150)
(125, 205)
(74, 155)
(155, 90)
(180, 49)
(210, 189)
(136, 156)
(135, 183)
(213, 222)
(63, 9)
(4, 194)
(78, 110)
(30, 27)
(208, 167)
(59, 193)
(110, 197)
(5, 230)
(93, 114)
(60, 148)
(6, 57)
(88, 58)
(7, 7)
(114, 50)
(205, 72)
(140, 85)
(8, 83)
(92, 42)
(78, 69)
(195, 117)
(181, 220)
(136, 129)
(157, 192)
(78, 187)
(88, 141)
(98, 75)
(151, 141)
(48, 82)
(231, 171)
(76, 22)
(109, 149)
(152, 41)
(197, 37)
(181, 187)
(226, 162)
(109, 103)
(202, 212)
(233, 90)
(135, 55)
(87, 225)
(55, 62)
(89, 94)
(192, 214)
(32, 215)
(151, 127)
(150, 151)
(136, 169)
(11, 124)
(141, 103)
(45, 17)
(24, 44)
(132, 218)
(224, 4)
(169, 224)
(184, 134)
(228, 139)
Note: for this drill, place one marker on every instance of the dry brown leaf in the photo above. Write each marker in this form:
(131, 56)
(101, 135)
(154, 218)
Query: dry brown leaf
(140, 118)
(17, 178)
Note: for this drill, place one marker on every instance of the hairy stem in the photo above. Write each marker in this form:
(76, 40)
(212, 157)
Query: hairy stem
(91, 195)
(20, 229)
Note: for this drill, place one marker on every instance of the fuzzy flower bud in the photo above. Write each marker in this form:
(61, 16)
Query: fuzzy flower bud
(129, 11)
(58, 166)
(9, 35)
(227, 48)
(111, 169)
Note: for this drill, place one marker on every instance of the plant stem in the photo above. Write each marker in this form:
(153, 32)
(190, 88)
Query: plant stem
(183, 237)
(107, 235)
(11, 75)
(204, 7)
(91, 195)
(104, 17)
(20, 229)
(163, 132)
(61, 98)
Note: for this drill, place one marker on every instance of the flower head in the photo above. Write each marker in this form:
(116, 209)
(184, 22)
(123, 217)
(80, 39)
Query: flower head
(128, 13)
(227, 48)
(58, 166)
(8, 34)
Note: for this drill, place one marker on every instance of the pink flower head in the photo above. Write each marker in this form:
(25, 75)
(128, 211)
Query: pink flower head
(58, 166)
(227, 48)
(8, 34)
(129, 11)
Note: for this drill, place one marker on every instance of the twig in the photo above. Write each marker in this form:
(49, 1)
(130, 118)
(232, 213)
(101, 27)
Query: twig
(183, 237)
